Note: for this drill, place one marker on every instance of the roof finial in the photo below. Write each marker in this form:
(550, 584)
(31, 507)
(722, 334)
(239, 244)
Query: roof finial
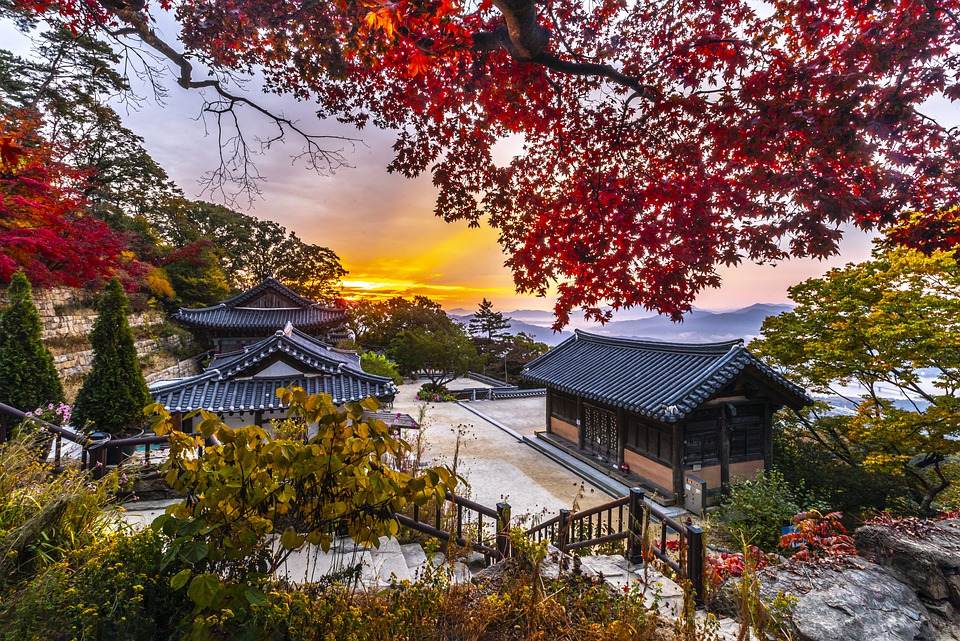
(288, 329)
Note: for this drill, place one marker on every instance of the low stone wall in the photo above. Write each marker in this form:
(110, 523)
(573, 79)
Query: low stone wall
(183, 369)
(78, 363)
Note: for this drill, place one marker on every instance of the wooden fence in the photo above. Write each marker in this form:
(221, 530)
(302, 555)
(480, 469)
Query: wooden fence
(634, 519)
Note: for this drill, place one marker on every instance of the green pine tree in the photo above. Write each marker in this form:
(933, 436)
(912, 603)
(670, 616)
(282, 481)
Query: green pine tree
(28, 378)
(114, 393)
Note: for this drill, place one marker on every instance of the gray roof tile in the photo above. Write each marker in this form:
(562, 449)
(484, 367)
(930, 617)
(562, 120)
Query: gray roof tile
(663, 381)
(231, 313)
(226, 384)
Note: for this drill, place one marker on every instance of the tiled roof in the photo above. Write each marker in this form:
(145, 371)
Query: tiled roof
(231, 313)
(296, 340)
(663, 381)
(232, 386)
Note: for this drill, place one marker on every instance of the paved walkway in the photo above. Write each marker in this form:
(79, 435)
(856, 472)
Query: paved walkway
(497, 466)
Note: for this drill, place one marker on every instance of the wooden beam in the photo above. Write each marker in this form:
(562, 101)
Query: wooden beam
(621, 435)
(724, 451)
(677, 460)
(767, 437)
(549, 410)
(580, 420)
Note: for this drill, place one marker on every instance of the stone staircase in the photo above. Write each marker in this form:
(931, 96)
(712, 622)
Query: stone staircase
(378, 567)
(660, 593)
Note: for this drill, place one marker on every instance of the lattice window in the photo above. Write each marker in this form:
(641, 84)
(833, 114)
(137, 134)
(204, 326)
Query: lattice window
(600, 430)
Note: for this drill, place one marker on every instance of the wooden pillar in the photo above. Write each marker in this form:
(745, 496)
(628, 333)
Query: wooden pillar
(549, 410)
(258, 418)
(186, 425)
(696, 551)
(4, 426)
(635, 518)
(621, 435)
(503, 530)
(581, 442)
(767, 437)
(676, 459)
(724, 450)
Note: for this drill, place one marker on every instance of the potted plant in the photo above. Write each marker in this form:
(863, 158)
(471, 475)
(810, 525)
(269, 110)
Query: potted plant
(114, 393)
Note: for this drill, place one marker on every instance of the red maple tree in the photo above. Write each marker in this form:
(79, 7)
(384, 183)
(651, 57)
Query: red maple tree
(661, 138)
(43, 229)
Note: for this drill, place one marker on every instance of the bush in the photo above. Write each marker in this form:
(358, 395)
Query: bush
(757, 509)
(435, 393)
(380, 365)
(116, 590)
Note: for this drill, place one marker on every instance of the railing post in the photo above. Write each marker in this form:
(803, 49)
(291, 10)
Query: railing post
(563, 533)
(98, 461)
(503, 530)
(3, 428)
(695, 550)
(635, 525)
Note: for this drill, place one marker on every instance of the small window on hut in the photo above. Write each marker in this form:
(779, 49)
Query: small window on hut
(652, 441)
(746, 433)
(564, 407)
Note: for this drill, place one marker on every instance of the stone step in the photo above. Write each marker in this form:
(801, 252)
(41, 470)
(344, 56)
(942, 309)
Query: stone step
(660, 593)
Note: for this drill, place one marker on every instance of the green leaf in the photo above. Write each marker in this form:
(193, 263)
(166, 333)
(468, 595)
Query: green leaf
(203, 589)
(290, 539)
(159, 522)
(194, 551)
(180, 579)
(255, 596)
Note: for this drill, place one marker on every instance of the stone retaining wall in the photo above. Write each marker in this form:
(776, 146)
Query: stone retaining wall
(67, 312)
(183, 369)
(79, 363)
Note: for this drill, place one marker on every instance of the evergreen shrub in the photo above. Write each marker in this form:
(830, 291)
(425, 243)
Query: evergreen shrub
(114, 393)
(28, 378)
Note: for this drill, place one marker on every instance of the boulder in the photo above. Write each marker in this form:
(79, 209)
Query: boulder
(923, 554)
(850, 599)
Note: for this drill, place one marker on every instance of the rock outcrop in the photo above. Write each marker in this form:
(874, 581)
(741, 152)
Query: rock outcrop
(904, 585)
(925, 556)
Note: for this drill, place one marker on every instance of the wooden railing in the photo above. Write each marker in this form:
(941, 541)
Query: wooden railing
(6, 412)
(94, 453)
(570, 531)
(451, 518)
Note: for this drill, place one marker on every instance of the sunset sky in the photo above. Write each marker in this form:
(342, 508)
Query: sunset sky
(382, 226)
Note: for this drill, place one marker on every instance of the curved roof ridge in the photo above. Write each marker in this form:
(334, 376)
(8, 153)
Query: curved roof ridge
(719, 347)
(200, 309)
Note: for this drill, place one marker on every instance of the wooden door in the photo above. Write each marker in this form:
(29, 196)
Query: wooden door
(600, 432)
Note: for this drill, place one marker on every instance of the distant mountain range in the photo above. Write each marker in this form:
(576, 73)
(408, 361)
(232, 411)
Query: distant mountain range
(539, 332)
(699, 326)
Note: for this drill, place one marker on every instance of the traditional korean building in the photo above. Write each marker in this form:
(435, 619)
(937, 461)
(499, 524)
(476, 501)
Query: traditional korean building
(256, 314)
(241, 386)
(663, 411)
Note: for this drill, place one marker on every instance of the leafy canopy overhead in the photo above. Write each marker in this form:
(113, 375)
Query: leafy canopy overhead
(660, 138)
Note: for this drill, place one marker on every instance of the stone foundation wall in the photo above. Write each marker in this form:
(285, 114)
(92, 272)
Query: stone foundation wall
(67, 312)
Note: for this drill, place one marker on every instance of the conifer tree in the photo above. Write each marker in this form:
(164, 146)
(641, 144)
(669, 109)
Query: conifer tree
(28, 378)
(114, 393)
